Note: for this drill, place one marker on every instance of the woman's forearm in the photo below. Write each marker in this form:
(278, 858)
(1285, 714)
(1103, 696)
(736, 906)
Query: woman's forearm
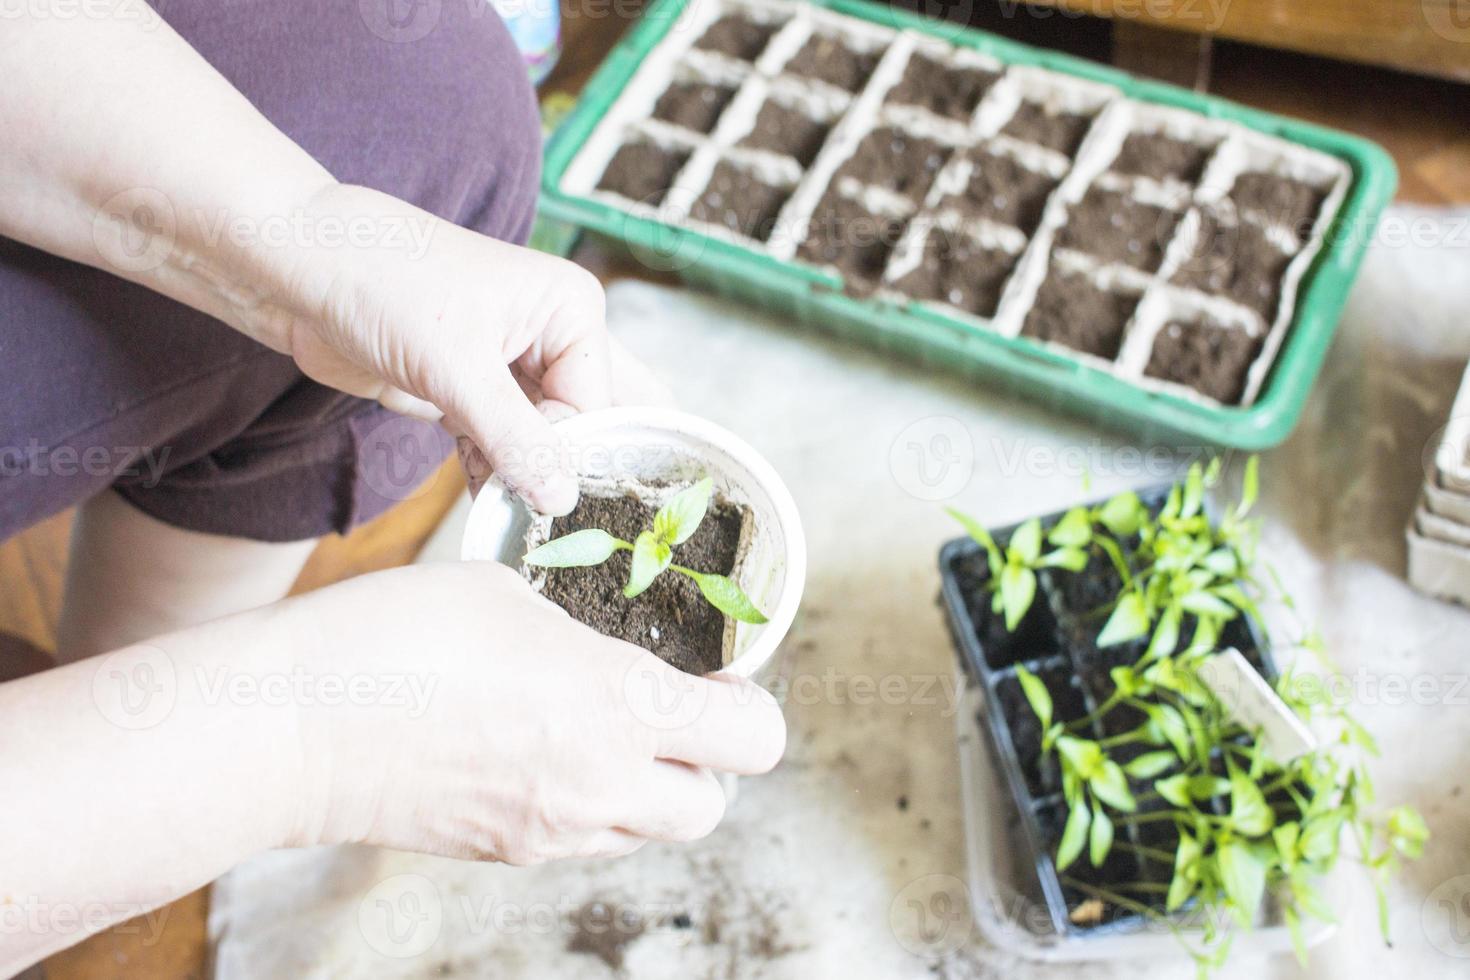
(134, 778)
(125, 150)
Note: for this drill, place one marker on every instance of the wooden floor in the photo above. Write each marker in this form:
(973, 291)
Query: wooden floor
(1424, 124)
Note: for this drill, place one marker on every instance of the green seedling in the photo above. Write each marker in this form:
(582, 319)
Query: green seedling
(1246, 823)
(653, 553)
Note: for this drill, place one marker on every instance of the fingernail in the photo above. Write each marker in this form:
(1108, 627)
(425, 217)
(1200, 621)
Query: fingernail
(555, 497)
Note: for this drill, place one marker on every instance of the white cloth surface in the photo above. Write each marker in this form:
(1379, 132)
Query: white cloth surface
(812, 872)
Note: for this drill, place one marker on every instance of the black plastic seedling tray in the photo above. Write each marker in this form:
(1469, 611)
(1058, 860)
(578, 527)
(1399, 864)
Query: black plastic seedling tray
(1052, 642)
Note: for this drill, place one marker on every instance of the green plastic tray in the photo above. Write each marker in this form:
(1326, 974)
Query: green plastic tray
(813, 298)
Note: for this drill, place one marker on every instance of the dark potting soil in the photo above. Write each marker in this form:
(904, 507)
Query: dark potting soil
(643, 171)
(1035, 636)
(1162, 157)
(1280, 200)
(1236, 260)
(958, 271)
(737, 37)
(897, 161)
(1120, 866)
(1071, 311)
(1004, 191)
(1208, 357)
(845, 234)
(1060, 131)
(785, 130)
(738, 201)
(950, 92)
(1043, 776)
(671, 619)
(1111, 226)
(693, 105)
(827, 59)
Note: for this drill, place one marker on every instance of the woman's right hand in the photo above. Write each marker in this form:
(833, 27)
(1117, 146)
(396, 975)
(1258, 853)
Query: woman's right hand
(517, 734)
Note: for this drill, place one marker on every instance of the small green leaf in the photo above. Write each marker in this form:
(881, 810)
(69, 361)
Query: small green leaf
(1122, 515)
(1111, 786)
(1243, 876)
(1129, 621)
(1285, 835)
(1175, 789)
(1036, 695)
(727, 597)
(980, 536)
(1319, 840)
(1206, 604)
(1082, 756)
(1250, 486)
(1194, 492)
(1101, 839)
(680, 517)
(1304, 892)
(1407, 831)
(1025, 546)
(650, 557)
(1072, 559)
(1166, 634)
(1074, 530)
(1017, 590)
(1186, 872)
(575, 550)
(1249, 813)
(1149, 765)
(1074, 835)
(1298, 939)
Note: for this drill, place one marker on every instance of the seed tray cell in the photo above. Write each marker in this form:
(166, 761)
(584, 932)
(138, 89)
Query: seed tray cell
(841, 106)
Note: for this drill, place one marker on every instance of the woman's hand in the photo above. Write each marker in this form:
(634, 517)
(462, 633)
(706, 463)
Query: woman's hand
(533, 737)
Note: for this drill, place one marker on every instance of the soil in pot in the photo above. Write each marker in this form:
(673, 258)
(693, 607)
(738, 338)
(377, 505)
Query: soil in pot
(1035, 635)
(1210, 358)
(784, 130)
(738, 201)
(1279, 200)
(1116, 228)
(1071, 311)
(671, 618)
(1043, 776)
(827, 59)
(1002, 190)
(896, 161)
(737, 37)
(1121, 867)
(1161, 157)
(643, 171)
(693, 105)
(847, 235)
(1236, 259)
(945, 91)
(956, 270)
(1059, 131)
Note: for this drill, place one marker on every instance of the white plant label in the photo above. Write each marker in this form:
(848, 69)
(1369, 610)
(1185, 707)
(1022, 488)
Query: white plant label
(1251, 701)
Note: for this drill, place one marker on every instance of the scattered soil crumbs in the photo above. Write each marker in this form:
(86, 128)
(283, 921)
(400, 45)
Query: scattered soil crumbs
(605, 930)
(693, 105)
(1071, 311)
(642, 172)
(1279, 200)
(1162, 157)
(737, 37)
(827, 59)
(671, 618)
(740, 202)
(1211, 358)
(784, 130)
(950, 92)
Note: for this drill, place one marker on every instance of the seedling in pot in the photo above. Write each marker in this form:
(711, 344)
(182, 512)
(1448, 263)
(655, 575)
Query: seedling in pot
(653, 552)
(1184, 786)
